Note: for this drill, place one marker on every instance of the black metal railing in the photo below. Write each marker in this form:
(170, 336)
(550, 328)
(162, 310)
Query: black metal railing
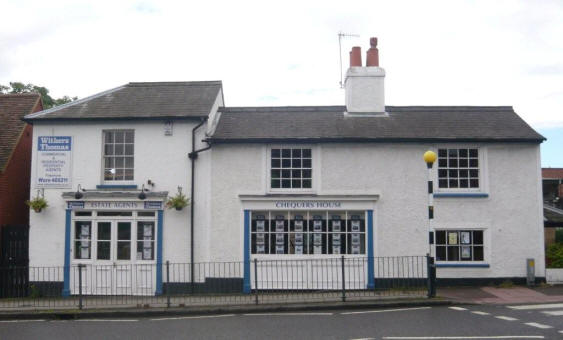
(216, 283)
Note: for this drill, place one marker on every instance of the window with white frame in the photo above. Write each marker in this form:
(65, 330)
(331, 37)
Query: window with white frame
(291, 168)
(458, 168)
(308, 232)
(82, 240)
(459, 245)
(118, 155)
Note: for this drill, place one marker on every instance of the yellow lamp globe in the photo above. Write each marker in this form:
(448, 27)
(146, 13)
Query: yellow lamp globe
(430, 157)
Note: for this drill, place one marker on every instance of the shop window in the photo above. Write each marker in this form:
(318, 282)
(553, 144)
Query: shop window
(82, 239)
(459, 245)
(145, 240)
(308, 233)
(118, 155)
(291, 168)
(458, 168)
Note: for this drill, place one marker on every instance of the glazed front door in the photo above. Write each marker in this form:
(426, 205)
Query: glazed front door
(112, 270)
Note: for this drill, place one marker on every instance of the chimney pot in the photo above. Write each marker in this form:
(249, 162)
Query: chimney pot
(356, 57)
(372, 55)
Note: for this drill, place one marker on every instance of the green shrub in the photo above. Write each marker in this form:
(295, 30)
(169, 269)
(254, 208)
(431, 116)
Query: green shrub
(559, 235)
(554, 255)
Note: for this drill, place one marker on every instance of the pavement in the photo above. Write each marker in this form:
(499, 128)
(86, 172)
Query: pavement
(500, 295)
(446, 296)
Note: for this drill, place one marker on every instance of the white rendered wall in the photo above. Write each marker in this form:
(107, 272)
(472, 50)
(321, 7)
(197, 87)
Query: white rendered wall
(162, 159)
(511, 214)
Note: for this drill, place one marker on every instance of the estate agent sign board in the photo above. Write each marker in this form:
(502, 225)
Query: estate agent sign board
(54, 160)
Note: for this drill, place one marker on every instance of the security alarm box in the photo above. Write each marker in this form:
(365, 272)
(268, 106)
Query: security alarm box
(260, 236)
(280, 235)
(317, 235)
(336, 228)
(298, 228)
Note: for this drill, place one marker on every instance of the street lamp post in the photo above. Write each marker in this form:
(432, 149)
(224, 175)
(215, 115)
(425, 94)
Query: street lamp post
(430, 158)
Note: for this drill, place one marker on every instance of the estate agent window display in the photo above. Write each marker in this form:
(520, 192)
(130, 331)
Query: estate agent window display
(308, 233)
(100, 236)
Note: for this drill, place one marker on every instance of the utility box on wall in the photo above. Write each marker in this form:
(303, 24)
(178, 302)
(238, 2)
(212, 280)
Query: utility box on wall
(530, 272)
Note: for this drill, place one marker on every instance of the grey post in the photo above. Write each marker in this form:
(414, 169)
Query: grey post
(80, 285)
(343, 280)
(168, 284)
(256, 280)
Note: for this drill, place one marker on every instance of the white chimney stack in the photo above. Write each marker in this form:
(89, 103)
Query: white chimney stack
(365, 85)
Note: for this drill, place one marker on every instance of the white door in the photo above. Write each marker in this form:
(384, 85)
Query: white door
(112, 268)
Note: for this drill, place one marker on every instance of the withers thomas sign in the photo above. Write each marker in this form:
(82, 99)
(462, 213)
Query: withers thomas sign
(54, 160)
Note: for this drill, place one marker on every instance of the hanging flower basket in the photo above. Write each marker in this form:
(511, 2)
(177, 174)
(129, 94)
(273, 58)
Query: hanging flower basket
(37, 204)
(178, 201)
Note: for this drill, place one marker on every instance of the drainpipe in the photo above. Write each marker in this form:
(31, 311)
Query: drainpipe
(193, 156)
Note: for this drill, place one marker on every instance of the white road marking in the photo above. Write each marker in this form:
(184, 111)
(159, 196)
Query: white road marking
(561, 332)
(507, 318)
(468, 337)
(538, 325)
(554, 313)
(480, 313)
(457, 308)
(107, 320)
(384, 310)
(10, 321)
(193, 317)
(285, 314)
(542, 306)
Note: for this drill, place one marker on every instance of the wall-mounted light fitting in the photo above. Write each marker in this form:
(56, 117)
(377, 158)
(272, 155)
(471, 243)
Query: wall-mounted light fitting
(142, 194)
(78, 194)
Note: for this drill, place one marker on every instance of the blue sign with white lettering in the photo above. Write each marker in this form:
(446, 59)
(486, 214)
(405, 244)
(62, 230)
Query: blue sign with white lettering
(54, 143)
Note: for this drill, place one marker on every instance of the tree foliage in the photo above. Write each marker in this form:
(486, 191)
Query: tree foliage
(554, 255)
(48, 101)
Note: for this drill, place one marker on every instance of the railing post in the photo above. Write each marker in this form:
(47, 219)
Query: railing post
(343, 280)
(167, 284)
(80, 285)
(431, 273)
(256, 280)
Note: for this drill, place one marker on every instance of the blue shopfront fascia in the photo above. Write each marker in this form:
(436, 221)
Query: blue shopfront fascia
(68, 235)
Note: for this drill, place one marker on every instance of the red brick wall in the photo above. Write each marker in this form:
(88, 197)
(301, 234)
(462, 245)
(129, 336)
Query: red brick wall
(14, 182)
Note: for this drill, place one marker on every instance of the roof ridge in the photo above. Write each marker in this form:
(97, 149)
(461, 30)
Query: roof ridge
(20, 94)
(76, 102)
(175, 83)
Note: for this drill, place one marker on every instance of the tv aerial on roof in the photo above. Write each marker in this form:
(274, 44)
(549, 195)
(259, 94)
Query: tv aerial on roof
(342, 35)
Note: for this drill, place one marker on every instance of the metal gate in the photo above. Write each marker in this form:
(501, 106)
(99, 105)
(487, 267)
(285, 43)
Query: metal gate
(14, 261)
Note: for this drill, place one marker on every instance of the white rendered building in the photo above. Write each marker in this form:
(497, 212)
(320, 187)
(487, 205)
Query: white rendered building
(282, 183)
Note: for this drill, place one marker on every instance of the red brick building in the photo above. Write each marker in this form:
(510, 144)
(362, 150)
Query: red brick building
(15, 156)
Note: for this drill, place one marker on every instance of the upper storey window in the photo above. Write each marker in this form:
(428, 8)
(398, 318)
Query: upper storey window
(118, 157)
(291, 168)
(458, 168)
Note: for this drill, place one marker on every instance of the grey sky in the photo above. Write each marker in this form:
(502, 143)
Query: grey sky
(286, 53)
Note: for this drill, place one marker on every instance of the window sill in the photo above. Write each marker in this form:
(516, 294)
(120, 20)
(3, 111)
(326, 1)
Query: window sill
(461, 194)
(462, 265)
(116, 186)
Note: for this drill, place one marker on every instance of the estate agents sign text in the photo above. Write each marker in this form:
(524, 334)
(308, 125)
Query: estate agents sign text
(54, 160)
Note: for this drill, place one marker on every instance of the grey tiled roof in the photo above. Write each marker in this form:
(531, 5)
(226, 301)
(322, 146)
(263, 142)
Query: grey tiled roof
(403, 123)
(140, 100)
